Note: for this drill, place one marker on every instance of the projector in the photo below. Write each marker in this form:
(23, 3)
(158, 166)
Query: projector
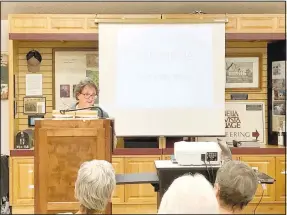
(197, 153)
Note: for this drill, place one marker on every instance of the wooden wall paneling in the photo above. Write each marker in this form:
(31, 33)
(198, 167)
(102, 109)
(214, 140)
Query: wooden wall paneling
(52, 23)
(241, 23)
(85, 23)
(46, 69)
(13, 89)
(46, 49)
(253, 96)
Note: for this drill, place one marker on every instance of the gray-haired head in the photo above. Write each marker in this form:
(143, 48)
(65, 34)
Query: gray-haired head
(189, 194)
(237, 184)
(82, 84)
(95, 184)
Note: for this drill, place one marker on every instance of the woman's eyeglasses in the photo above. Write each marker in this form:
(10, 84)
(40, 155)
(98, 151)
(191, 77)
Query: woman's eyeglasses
(87, 96)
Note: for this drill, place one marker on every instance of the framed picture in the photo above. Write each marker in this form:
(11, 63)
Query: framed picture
(4, 76)
(278, 96)
(243, 72)
(34, 105)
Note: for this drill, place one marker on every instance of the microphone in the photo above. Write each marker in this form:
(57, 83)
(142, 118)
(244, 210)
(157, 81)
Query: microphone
(88, 108)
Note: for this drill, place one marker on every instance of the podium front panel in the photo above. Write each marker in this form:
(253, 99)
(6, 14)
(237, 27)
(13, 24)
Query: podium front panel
(59, 153)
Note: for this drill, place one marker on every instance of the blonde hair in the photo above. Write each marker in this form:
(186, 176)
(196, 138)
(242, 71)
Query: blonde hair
(189, 194)
(95, 184)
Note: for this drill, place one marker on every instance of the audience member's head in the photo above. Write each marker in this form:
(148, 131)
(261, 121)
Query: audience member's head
(235, 184)
(189, 194)
(94, 186)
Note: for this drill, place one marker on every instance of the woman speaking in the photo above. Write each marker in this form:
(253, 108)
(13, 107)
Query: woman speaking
(86, 93)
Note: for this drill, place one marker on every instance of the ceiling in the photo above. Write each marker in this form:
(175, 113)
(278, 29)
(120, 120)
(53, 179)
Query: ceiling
(140, 7)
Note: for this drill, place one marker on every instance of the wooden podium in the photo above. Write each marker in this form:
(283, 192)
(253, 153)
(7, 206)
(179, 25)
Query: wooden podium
(61, 146)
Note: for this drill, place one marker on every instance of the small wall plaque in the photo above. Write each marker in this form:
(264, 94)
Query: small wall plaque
(239, 96)
(22, 140)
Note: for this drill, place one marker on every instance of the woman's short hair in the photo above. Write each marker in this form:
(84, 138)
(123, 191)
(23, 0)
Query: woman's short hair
(95, 184)
(189, 194)
(81, 85)
(237, 184)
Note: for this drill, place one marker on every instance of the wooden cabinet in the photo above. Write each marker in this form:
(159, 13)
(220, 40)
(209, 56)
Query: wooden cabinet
(280, 179)
(119, 193)
(22, 179)
(140, 193)
(22, 184)
(140, 199)
(265, 165)
(264, 208)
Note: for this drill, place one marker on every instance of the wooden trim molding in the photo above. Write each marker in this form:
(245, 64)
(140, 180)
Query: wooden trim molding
(244, 151)
(123, 151)
(255, 36)
(268, 150)
(86, 23)
(22, 153)
(94, 36)
(54, 36)
(137, 151)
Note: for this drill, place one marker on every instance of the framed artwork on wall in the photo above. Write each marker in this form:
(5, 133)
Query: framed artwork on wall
(243, 72)
(278, 96)
(276, 91)
(77, 64)
(34, 105)
(4, 76)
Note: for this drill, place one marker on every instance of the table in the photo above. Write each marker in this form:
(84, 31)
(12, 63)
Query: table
(167, 171)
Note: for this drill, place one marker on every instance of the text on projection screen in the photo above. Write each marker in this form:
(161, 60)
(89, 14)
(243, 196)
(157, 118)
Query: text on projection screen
(163, 79)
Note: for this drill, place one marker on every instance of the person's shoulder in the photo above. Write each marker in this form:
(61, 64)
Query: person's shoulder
(74, 106)
(105, 114)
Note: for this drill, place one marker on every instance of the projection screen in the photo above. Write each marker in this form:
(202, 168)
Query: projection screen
(163, 79)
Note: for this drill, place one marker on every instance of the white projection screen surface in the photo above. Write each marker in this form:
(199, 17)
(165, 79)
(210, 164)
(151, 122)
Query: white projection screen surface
(163, 79)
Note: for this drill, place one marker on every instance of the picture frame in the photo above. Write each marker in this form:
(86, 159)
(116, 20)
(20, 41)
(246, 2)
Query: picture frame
(243, 72)
(34, 105)
(63, 88)
(4, 76)
(278, 69)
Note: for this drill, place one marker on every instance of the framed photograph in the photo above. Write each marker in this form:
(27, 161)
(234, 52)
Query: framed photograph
(4, 76)
(278, 96)
(64, 91)
(243, 72)
(34, 105)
